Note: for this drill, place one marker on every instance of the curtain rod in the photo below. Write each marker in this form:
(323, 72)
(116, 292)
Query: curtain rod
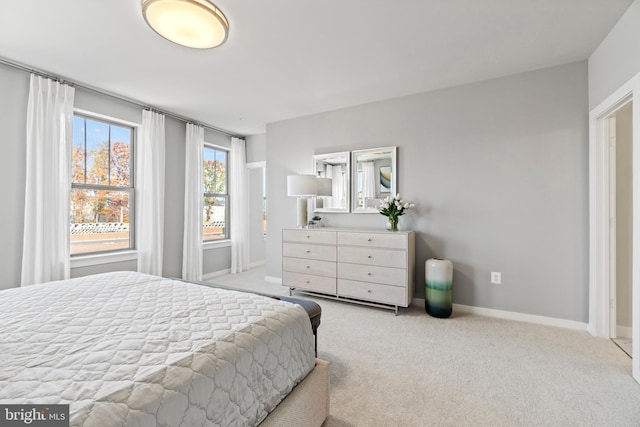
(114, 95)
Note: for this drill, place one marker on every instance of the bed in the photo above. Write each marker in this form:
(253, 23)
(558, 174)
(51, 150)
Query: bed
(126, 348)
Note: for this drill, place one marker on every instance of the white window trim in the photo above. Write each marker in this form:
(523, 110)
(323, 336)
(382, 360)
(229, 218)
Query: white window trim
(107, 118)
(99, 258)
(221, 243)
(78, 261)
(215, 244)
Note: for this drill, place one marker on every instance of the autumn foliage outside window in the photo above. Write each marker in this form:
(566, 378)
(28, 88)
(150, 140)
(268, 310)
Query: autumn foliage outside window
(102, 186)
(215, 216)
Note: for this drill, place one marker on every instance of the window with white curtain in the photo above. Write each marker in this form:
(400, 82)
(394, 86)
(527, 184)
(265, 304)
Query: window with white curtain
(102, 186)
(215, 215)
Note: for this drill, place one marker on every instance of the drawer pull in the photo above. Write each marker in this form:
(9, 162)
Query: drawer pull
(369, 239)
(308, 251)
(308, 237)
(307, 282)
(369, 274)
(369, 256)
(369, 291)
(308, 266)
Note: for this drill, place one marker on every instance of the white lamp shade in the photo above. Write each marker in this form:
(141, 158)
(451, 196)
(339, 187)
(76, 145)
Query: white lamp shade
(301, 185)
(325, 186)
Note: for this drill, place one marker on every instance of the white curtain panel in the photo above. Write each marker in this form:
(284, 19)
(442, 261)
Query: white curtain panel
(239, 195)
(369, 178)
(45, 248)
(193, 193)
(150, 193)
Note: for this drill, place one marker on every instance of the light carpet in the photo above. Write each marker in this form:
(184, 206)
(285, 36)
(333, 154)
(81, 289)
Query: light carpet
(468, 370)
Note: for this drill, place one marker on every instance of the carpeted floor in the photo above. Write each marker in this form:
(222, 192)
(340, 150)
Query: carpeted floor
(468, 370)
(625, 344)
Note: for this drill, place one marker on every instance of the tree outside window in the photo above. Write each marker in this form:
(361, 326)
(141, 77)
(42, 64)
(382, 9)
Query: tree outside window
(215, 215)
(102, 186)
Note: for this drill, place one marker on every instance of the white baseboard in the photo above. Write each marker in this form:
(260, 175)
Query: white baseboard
(623, 331)
(512, 315)
(272, 279)
(256, 264)
(219, 273)
(226, 271)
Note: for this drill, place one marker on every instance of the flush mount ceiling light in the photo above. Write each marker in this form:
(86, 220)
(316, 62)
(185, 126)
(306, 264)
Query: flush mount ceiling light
(193, 23)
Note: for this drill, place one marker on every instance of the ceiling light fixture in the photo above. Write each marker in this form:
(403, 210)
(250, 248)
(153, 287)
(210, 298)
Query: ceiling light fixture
(193, 23)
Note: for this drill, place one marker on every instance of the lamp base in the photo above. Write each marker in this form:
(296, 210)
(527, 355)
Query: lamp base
(302, 212)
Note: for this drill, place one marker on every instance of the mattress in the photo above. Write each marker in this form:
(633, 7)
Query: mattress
(131, 349)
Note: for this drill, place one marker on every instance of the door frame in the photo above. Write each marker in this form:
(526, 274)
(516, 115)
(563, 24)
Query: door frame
(602, 217)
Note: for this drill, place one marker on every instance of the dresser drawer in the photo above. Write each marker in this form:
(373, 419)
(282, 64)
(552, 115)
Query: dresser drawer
(372, 256)
(326, 285)
(308, 251)
(309, 236)
(393, 295)
(388, 240)
(369, 273)
(309, 266)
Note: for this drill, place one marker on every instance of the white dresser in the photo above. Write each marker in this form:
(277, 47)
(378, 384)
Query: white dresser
(372, 267)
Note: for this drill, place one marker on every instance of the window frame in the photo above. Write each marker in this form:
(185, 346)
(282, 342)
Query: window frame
(129, 252)
(227, 218)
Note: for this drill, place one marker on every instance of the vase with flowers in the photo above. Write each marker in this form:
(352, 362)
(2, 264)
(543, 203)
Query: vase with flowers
(392, 208)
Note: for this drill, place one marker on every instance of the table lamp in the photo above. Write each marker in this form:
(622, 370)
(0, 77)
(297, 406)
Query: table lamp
(302, 186)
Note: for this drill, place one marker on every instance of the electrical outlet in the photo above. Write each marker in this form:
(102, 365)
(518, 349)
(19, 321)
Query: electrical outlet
(496, 277)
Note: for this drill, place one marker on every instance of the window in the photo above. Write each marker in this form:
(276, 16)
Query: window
(101, 186)
(215, 216)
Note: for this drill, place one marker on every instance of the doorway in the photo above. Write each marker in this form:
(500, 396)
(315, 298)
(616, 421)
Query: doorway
(605, 288)
(621, 134)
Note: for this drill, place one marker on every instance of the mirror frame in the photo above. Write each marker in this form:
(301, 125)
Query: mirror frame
(354, 178)
(347, 156)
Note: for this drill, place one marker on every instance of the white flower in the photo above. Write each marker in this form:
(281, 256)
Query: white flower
(397, 195)
(406, 206)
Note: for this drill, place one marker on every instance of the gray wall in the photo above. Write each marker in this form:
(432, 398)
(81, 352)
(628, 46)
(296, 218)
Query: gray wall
(256, 148)
(617, 59)
(14, 87)
(256, 152)
(256, 227)
(174, 138)
(498, 171)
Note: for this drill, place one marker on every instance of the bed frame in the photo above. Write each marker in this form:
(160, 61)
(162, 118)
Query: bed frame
(308, 402)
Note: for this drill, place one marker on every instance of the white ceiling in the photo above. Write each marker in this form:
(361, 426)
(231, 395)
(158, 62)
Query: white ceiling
(289, 58)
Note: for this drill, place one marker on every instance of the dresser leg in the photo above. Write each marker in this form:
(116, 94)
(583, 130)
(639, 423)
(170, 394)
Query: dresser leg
(396, 310)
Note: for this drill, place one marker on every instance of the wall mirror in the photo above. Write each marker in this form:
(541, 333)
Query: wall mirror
(374, 178)
(333, 172)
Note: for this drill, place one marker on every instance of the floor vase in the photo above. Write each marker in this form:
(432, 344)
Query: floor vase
(438, 285)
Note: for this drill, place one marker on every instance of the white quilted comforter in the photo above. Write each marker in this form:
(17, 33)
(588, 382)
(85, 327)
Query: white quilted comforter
(132, 349)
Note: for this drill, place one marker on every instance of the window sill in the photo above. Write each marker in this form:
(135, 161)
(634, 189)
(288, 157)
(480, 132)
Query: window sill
(106, 258)
(216, 244)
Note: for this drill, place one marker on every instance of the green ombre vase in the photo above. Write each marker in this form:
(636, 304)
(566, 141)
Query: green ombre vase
(438, 285)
